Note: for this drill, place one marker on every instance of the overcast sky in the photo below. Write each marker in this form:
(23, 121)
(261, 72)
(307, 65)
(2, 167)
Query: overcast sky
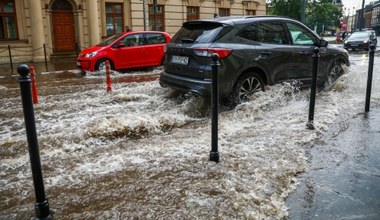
(354, 3)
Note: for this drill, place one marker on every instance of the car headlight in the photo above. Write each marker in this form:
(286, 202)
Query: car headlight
(365, 41)
(92, 54)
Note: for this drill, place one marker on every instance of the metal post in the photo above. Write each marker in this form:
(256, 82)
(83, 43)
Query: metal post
(154, 14)
(78, 49)
(10, 58)
(369, 80)
(41, 206)
(108, 76)
(303, 9)
(46, 64)
(144, 15)
(313, 91)
(214, 154)
(361, 18)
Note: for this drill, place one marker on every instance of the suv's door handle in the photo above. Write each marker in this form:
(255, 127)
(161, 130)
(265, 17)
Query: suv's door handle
(304, 53)
(266, 53)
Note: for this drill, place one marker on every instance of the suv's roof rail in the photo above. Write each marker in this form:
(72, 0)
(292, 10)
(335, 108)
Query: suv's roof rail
(261, 16)
(248, 16)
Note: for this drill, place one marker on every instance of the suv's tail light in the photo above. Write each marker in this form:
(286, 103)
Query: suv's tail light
(207, 52)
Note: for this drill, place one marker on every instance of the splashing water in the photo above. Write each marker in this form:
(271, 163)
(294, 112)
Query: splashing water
(142, 151)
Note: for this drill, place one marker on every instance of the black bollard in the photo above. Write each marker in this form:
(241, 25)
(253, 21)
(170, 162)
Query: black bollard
(369, 80)
(10, 58)
(42, 206)
(46, 63)
(214, 153)
(313, 91)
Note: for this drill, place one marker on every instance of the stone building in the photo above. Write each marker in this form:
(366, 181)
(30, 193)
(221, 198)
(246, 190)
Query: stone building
(32, 30)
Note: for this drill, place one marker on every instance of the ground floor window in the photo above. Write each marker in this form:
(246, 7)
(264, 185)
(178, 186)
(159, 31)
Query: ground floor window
(192, 13)
(8, 21)
(156, 18)
(114, 18)
(224, 12)
(250, 12)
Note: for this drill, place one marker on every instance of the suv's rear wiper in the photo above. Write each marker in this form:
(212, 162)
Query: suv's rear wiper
(187, 40)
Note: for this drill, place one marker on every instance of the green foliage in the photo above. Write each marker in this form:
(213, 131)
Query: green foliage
(323, 13)
(320, 13)
(289, 8)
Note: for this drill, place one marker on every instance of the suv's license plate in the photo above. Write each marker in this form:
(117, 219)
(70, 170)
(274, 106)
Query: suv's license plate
(180, 60)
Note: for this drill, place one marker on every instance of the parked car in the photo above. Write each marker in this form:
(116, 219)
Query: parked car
(341, 36)
(254, 51)
(134, 49)
(360, 40)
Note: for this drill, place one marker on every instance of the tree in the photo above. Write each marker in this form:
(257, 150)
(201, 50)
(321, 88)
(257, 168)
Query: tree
(289, 8)
(323, 14)
(320, 13)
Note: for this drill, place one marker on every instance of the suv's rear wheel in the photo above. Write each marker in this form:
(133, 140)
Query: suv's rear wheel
(245, 86)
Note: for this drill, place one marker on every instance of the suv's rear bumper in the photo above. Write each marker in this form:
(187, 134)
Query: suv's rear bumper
(186, 84)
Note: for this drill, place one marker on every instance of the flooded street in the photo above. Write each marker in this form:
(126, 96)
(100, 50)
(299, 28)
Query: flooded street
(142, 151)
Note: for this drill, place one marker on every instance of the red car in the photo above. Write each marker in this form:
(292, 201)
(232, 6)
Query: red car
(127, 50)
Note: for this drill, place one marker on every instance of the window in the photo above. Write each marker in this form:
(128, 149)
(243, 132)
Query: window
(62, 5)
(8, 21)
(133, 40)
(271, 33)
(224, 12)
(249, 33)
(250, 12)
(114, 18)
(192, 13)
(155, 39)
(143, 39)
(300, 36)
(156, 18)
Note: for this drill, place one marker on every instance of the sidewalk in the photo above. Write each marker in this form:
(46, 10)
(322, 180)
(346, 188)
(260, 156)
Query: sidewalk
(41, 68)
(344, 177)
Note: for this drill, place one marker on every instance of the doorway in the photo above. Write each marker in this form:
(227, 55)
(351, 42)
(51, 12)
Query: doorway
(63, 26)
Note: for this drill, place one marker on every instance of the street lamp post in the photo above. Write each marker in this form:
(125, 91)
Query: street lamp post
(303, 9)
(352, 20)
(361, 17)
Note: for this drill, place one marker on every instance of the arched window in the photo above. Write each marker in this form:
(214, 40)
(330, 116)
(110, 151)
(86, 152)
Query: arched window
(61, 5)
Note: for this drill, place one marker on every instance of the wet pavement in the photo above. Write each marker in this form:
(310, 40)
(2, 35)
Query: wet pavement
(344, 177)
(8, 70)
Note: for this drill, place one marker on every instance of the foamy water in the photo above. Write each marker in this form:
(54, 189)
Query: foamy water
(143, 151)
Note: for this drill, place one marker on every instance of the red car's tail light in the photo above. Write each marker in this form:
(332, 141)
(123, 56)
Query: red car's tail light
(207, 52)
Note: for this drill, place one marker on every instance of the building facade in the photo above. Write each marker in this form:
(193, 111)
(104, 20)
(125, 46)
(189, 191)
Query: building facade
(35, 30)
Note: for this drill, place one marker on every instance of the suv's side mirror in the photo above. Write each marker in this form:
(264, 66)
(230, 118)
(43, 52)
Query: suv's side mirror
(323, 43)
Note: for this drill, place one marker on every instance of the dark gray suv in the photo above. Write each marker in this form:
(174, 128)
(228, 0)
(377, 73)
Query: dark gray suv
(254, 51)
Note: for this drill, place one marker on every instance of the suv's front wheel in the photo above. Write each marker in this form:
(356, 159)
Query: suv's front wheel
(336, 71)
(245, 86)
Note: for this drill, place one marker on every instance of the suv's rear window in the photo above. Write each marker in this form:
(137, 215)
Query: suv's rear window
(199, 32)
